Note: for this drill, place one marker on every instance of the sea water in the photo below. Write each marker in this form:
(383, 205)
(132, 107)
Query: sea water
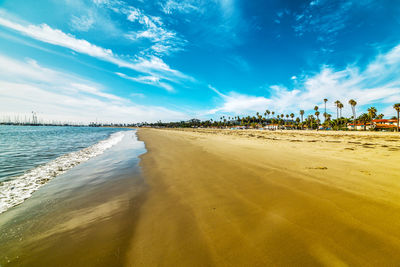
(30, 156)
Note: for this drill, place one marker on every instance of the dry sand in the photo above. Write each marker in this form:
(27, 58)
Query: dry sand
(253, 198)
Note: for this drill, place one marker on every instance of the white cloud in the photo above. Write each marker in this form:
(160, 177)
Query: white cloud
(149, 65)
(94, 91)
(326, 19)
(151, 80)
(137, 95)
(241, 104)
(225, 16)
(49, 35)
(83, 23)
(27, 86)
(163, 40)
(171, 6)
(378, 84)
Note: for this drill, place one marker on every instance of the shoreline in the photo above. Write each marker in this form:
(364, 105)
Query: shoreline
(31, 180)
(83, 217)
(227, 198)
(201, 197)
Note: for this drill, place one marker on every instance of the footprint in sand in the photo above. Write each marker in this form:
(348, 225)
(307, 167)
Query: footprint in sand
(317, 168)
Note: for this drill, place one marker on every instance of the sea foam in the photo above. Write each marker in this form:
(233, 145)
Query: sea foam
(15, 191)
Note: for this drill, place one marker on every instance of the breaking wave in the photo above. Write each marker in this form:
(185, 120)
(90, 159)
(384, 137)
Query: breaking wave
(15, 191)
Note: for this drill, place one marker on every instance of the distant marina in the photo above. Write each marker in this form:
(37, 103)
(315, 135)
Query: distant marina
(34, 120)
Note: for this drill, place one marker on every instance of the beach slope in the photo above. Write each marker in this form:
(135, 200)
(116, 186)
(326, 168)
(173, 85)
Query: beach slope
(252, 198)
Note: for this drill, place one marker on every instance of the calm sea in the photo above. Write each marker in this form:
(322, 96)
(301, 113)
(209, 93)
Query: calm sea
(30, 156)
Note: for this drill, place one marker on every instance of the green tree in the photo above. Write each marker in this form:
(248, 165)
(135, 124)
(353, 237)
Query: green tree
(337, 103)
(297, 121)
(364, 118)
(317, 114)
(372, 113)
(397, 108)
(301, 114)
(340, 106)
(353, 104)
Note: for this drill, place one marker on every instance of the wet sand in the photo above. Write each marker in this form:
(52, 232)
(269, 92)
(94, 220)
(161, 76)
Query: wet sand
(218, 198)
(252, 198)
(85, 217)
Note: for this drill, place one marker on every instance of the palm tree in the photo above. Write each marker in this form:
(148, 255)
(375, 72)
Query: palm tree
(301, 114)
(325, 100)
(337, 102)
(259, 118)
(397, 108)
(340, 109)
(317, 114)
(353, 104)
(372, 113)
(316, 110)
(364, 118)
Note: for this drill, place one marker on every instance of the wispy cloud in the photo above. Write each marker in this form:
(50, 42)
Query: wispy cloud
(377, 84)
(55, 95)
(83, 23)
(151, 80)
(326, 19)
(137, 95)
(171, 6)
(150, 65)
(152, 28)
(225, 16)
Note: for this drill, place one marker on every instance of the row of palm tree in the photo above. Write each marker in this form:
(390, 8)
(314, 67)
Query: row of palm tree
(312, 121)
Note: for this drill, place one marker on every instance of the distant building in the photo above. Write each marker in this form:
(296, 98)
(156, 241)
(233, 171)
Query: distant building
(383, 124)
(378, 124)
(272, 127)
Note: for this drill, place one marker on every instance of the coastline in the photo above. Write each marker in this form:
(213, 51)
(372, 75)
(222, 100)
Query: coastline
(249, 198)
(15, 191)
(203, 197)
(84, 217)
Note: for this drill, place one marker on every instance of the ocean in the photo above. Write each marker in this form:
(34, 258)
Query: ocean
(31, 156)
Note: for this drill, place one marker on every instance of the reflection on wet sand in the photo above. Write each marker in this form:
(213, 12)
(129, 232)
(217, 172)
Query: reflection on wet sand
(85, 217)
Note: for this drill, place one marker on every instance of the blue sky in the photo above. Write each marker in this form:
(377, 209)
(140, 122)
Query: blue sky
(142, 60)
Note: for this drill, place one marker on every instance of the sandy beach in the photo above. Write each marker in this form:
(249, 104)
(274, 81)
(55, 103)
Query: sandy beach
(218, 198)
(256, 198)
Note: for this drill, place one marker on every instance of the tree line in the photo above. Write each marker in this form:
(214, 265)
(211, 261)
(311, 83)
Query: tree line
(315, 120)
